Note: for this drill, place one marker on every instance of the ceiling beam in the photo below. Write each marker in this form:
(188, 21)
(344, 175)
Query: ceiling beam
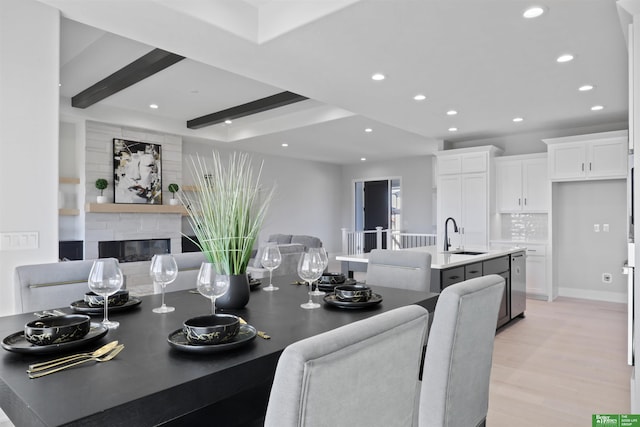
(270, 102)
(143, 67)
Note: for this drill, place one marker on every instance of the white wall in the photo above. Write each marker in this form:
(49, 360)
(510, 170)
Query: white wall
(29, 70)
(307, 198)
(582, 255)
(416, 180)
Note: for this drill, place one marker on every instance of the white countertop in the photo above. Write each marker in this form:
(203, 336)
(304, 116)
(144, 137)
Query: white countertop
(441, 260)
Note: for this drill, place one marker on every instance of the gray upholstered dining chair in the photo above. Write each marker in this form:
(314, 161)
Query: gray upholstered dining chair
(46, 286)
(361, 374)
(399, 269)
(457, 364)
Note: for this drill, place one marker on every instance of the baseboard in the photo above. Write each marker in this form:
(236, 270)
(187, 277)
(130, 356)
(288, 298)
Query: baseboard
(593, 295)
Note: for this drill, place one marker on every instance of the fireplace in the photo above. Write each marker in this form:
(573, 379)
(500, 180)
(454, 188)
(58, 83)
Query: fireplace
(133, 250)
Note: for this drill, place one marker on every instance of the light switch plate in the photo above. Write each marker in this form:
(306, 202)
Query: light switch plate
(596, 228)
(19, 241)
(605, 228)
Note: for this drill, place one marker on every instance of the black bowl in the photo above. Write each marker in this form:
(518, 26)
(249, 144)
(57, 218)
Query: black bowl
(332, 279)
(352, 293)
(57, 329)
(119, 298)
(211, 329)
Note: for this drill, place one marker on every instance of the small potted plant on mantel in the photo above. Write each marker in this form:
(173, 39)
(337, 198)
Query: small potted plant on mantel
(173, 188)
(101, 184)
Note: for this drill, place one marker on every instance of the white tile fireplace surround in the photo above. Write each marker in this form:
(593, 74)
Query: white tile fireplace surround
(129, 226)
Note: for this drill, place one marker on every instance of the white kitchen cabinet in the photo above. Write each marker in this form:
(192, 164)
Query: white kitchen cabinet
(593, 156)
(522, 184)
(464, 194)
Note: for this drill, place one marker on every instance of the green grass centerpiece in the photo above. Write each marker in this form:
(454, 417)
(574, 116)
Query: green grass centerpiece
(226, 210)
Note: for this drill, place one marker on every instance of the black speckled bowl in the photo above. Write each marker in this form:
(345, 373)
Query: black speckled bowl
(211, 329)
(119, 298)
(352, 293)
(332, 279)
(57, 329)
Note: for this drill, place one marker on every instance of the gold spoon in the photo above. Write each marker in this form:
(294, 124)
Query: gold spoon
(103, 358)
(261, 334)
(62, 360)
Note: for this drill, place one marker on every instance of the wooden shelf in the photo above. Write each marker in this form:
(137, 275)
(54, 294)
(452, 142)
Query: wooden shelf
(69, 180)
(68, 212)
(133, 208)
(189, 188)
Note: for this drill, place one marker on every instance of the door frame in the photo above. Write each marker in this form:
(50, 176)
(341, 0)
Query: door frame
(355, 181)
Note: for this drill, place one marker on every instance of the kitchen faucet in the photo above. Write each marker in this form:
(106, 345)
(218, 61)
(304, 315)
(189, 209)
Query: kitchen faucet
(447, 244)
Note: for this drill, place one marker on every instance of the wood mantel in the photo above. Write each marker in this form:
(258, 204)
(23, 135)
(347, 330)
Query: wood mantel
(134, 208)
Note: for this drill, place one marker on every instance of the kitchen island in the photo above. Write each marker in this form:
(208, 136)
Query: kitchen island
(456, 266)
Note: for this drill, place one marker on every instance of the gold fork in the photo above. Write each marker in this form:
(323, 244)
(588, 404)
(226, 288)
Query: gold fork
(103, 358)
(62, 360)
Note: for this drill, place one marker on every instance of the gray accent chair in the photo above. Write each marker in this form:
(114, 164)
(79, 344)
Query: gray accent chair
(457, 365)
(188, 268)
(291, 247)
(399, 269)
(362, 374)
(47, 286)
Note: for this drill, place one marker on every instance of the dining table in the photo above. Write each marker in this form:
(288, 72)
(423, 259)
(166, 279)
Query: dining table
(151, 382)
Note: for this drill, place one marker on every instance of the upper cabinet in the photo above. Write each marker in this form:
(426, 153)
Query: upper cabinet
(522, 184)
(464, 182)
(593, 156)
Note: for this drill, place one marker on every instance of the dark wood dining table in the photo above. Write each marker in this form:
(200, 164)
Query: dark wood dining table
(150, 383)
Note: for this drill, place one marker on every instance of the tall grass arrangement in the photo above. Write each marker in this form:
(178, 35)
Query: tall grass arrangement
(226, 209)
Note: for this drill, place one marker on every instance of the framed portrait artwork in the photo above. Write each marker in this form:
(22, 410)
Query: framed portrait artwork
(137, 172)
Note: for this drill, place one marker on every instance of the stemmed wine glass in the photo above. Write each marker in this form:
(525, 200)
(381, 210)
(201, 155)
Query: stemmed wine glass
(271, 260)
(310, 268)
(211, 284)
(322, 253)
(106, 279)
(163, 271)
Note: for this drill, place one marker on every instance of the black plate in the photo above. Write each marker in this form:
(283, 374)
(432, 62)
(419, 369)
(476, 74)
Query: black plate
(326, 287)
(332, 300)
(254, 284)
(82, 307)
(177, 340)
(18, 344)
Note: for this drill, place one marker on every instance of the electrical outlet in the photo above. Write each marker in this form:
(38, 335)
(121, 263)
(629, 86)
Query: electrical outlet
(605, 228)
(607, 278)
(596, 228)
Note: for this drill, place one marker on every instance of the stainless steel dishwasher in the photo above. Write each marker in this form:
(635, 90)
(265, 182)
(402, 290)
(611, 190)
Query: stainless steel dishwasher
(518, 284)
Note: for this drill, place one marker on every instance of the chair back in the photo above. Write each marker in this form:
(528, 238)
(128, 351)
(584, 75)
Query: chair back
(400, 269)
(53, 285)
(362, 374)
(457, 365)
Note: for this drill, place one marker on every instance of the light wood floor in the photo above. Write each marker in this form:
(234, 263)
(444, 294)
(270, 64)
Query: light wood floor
(563, 362)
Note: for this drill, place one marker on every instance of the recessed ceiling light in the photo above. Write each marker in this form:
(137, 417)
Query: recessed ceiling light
(453, 129)
(378, 76)
(597, 108)
(585, 88)
(368, 130)
(518, 119)
(285, 145)
(153, 106)
(452, 113)
(227, 122)
(363, 159)
(420, 97)
(565, 58)
(533, 12)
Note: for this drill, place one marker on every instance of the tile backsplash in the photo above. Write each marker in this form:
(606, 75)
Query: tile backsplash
(524, 226)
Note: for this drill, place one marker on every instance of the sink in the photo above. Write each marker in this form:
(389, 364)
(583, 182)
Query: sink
(464, 253)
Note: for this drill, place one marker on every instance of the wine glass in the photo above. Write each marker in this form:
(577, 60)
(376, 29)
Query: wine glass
(322, 253)
(310, 268)
(271, 260)
(211, 284)
(106, 279)
(163, 271)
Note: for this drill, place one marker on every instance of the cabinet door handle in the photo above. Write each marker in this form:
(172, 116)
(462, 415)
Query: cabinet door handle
(532, 250)
(583, 167)
(454, 277)
(473, 272)
(525, 201)
(589, 165)
(518, 201)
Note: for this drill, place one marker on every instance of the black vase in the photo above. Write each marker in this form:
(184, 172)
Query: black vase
(238, 294)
